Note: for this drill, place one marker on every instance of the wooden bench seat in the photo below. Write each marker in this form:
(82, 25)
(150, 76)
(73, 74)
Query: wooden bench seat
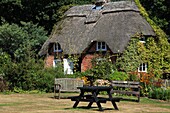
(116, 99)
(89, 98)
(130, 88)
(66, 85)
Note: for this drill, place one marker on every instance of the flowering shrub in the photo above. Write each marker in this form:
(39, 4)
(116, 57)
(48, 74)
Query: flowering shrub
(146, 80)
(86, 81)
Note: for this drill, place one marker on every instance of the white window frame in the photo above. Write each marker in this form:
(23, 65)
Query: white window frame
(143, 67)
(57, 47)
(55, 62)
(101, 45)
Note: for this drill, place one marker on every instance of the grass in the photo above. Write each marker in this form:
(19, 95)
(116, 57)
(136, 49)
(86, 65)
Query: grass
(45, 103)
(160, 103)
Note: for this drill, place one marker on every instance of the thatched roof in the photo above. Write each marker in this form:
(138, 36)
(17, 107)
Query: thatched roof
(115, 24)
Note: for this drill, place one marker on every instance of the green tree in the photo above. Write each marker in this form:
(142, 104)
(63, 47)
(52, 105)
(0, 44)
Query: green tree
(4, 59)
(45, 13)
(159, 12)
(16, 40)
(11, 37)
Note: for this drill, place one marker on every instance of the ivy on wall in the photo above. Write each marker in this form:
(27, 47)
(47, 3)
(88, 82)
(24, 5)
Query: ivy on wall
(155, 52)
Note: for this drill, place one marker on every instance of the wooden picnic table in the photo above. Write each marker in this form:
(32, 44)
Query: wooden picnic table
(94, 96)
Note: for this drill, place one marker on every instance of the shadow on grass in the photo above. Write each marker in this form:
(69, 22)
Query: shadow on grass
(85, 108)
(52, 97)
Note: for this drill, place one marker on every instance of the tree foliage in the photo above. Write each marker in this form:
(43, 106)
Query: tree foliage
(42, 12)
(16, 40)
(150, 53)
(159, 12)
(130, 60)
(160, 42)
(102, 66)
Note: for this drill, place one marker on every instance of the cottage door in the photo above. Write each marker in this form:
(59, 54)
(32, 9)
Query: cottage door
(68, 66)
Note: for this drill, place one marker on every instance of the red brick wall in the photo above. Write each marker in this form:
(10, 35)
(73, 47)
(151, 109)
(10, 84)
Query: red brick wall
(86, 62)
(49, 61)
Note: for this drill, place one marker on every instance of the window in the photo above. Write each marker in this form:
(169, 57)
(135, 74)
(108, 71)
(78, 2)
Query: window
(57, 47)
(99, 60)
(101, 46)
(97, 7)
(56, 62)
(142, 67)
(142, 40)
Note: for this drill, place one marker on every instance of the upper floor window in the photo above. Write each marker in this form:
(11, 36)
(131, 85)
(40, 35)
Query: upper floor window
(97, 7)
(57, 47)
(101, 46)
(142, 40)
(142, 67)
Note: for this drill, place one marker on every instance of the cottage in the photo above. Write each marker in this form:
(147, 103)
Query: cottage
(88, 29)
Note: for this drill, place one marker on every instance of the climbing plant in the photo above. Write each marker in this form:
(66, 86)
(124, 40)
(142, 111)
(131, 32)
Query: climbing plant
(162, 47)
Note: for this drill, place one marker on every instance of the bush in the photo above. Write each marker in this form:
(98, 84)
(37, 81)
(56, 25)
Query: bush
(119, 76)
(2, 84)
(31, 75)
(159, 93)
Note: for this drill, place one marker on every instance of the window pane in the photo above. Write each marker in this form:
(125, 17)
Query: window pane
(59, 47)
(143, 67)
(103, 45)
(99, 45)
(140, 68)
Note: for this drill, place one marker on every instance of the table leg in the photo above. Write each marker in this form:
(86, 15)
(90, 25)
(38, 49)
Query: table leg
(114, 104)
(89, 105)
(75, 104)
(78, 100)
(97, 101)
(99, 106)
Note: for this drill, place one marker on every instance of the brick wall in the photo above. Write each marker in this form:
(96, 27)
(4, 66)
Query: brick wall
(49, 61)
(86, 62)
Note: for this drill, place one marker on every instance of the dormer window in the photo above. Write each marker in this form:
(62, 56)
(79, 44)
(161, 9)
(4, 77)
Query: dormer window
(57, 47)
(142, 40)
(101, 46)
(98, 7)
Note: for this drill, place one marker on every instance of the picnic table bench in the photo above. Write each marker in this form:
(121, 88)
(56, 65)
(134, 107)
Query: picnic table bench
(66, 85)
(94, 96)
(131, 88)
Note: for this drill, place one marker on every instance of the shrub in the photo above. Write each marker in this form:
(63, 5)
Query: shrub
(2, 84)
(159, 93)
(119, 76)
(133, 76)
(31, 75)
